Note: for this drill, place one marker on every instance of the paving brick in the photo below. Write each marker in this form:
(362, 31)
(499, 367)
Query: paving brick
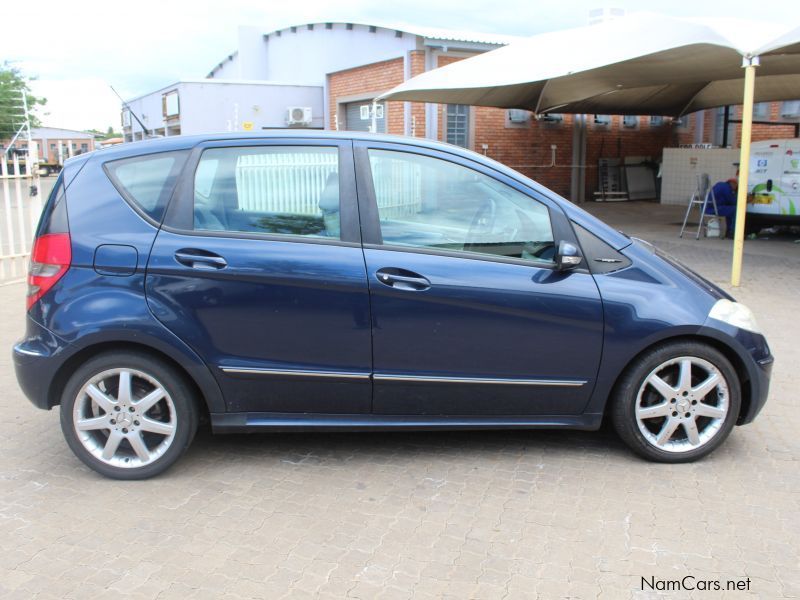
(430, 515)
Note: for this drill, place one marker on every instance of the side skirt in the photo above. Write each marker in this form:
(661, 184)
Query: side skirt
(253, 422)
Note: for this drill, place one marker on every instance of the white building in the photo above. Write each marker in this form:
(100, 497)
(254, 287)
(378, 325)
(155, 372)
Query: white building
(279, 79)
(211, 105)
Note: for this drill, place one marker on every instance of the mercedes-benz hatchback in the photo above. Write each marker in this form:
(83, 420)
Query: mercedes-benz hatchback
(303, 280)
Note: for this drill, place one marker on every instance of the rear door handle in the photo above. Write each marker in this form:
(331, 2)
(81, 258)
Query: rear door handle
(402, 280)
(200, 259)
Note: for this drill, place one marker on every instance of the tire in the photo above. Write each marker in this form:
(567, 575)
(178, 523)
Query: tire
(751, 228)
(128, 436)
(676, 422)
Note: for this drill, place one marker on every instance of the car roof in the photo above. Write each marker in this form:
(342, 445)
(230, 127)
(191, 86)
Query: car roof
(180, 142)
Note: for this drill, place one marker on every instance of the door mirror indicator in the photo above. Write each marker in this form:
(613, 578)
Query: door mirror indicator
(568, 256)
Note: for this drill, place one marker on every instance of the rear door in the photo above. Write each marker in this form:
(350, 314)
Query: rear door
(469, 315)
(259, 268)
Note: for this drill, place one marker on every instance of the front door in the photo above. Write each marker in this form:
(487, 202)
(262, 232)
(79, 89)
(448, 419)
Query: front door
(469, 316)
(259, 269)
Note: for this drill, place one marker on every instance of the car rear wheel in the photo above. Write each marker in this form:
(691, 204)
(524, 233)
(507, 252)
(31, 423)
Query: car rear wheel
(127, 415)
(677, 402)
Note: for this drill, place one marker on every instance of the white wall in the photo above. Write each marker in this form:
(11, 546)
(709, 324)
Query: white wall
(209, 106)
(228, 69)
(251, 58)
(219, 107)
(307, 56)
(148, 109)
(682, 165)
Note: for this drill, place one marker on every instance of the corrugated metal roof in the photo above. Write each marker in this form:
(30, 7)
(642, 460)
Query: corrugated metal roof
(426, 32)
(58, 133)
(461, 35)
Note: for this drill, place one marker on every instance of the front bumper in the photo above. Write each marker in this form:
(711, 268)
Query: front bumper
(37, 359)
(759, 389)
(755, 362)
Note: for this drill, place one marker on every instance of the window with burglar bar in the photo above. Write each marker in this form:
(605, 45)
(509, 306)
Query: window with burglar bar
(458, 125)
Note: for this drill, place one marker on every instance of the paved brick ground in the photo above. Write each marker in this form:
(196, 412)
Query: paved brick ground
(444, 515)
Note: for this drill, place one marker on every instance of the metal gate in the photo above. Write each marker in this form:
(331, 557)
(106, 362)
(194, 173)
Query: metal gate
(284, 182)
(20, 207)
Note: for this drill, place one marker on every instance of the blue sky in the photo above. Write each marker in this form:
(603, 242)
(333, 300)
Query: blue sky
(76, 49)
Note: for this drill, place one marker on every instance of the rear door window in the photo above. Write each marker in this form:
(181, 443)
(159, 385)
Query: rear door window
(276, 190)
(147, 182)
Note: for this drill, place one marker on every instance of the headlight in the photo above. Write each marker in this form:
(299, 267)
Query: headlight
(734, 314)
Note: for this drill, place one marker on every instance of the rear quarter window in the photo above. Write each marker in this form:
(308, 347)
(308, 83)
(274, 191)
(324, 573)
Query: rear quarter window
(147, 182)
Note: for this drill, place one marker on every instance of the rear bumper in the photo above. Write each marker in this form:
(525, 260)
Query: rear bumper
(37, 358)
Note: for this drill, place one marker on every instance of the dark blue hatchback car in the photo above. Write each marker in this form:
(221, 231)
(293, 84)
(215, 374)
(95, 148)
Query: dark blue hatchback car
(303, 280)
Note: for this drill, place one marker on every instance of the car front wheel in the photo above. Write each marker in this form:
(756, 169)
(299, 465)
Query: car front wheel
(677, 402)
(127, 415)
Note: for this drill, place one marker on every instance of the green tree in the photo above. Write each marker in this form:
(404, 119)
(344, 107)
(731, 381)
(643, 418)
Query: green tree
(13, 83)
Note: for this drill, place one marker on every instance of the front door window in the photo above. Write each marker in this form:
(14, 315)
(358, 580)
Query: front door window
(427, 202)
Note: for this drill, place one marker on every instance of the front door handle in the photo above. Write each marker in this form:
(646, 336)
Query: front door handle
(401, 279)
(200, 259)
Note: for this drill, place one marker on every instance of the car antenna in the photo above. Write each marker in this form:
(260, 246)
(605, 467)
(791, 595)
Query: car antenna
(130, 110)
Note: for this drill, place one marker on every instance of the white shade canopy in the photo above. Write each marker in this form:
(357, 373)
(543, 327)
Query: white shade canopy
(640, 64)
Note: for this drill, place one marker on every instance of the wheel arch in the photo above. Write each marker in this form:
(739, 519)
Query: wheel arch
(204, 399)
(730, 353)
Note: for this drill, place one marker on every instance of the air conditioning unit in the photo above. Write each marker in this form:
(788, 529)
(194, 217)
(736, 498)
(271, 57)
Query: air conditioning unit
(790, 109)
(630, 121)
(551, 117)
(516, 115)
(298, 115)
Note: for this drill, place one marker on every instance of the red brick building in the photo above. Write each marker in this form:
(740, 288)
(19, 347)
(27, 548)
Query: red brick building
(525, 143)
(55, 144)
(347, 65)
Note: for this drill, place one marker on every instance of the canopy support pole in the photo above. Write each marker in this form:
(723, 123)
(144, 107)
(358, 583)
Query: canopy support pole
(749, 65)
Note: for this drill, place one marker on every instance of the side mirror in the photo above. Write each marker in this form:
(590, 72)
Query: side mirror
(568, 256)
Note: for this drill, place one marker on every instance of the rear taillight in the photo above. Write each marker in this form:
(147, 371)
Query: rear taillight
(51, 254)
(50, 259)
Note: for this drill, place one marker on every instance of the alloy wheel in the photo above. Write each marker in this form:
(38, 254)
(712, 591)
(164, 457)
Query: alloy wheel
(124, 418)
(682, 404)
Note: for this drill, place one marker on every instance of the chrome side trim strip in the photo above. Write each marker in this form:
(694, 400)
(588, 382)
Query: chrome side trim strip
(295, 373)
(481, 380)
(409, 378)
